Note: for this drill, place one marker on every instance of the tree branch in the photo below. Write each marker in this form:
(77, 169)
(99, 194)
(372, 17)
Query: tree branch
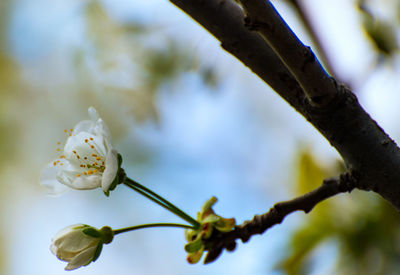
(262, 17)
(224, 20)
(260, 223)
(319, 46)
(366, 149)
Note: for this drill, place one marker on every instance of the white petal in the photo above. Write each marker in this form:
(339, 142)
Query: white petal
(77, 143)
(86, 182)
(101, 129)
(111, 169)
(67, 230)
(82, 258)
(84, 126)
(49, 181)
(94, 116)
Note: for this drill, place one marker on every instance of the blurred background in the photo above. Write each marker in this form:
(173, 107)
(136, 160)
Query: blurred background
(191, 122)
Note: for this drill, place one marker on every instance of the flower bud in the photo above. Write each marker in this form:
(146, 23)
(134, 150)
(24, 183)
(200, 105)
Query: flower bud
(80, 244)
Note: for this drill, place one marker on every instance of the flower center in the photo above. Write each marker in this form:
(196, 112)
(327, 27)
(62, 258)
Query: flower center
(86, 153)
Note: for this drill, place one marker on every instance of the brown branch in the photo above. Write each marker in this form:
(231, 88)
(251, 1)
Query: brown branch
(301, 61)
(260, 223)
(262, 17)
(224, 20)
(319, 46)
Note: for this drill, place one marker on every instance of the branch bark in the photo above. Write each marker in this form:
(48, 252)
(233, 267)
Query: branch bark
(309, 26)
(260, 223)
(261, 16)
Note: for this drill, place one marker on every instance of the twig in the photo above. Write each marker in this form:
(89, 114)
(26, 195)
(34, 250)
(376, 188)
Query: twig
(262, 17)
(260, 223)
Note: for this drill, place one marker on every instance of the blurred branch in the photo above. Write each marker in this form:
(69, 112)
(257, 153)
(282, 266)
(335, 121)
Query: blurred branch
(260, 223)
(319, 46)
(262, 17)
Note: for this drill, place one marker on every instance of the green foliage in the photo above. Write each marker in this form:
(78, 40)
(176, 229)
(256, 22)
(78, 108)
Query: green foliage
(364, 227)
(381, 32)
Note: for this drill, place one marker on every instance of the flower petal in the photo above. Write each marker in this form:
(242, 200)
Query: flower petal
(83, 258)
(86, 182)
(94, 116)
(111, 170)
(48, 180)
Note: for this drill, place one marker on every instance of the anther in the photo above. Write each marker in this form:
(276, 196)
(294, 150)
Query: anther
(86, 140)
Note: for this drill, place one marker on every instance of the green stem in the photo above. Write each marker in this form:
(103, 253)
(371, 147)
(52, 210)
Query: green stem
(160, 200)
(149, 225)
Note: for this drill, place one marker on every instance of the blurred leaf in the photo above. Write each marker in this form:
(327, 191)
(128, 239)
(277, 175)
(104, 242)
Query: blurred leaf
(163, 65)
(310, 173)
(381, 33)
(364, 226)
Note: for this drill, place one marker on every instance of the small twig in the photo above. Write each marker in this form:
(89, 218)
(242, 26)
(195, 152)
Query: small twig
(262, 17)
(260, 223)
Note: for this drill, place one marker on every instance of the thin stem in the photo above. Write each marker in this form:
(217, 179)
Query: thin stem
(149, 225)
(160, 200)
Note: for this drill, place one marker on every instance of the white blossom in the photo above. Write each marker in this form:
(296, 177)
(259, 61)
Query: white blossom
(88, 160)
(80, 244)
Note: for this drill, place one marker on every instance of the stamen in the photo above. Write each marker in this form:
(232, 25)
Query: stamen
(85, 173)
(91, 139)
(98, 158)
(55, 163)
(85, 158)
(62, 157)
(65, 131)
(74, 152)
(92, 146)
(58, 143)
(94, 155)
(86, 140)
(58, 149)
(78, 175)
